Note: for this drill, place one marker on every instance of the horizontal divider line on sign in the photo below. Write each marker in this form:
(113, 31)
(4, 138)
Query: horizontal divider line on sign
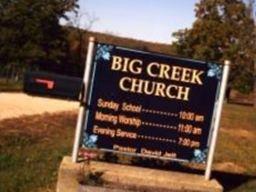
(158, 125)
(160, 112)
(156, 139)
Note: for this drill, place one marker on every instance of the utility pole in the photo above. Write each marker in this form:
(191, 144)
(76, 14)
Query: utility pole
(254, 75)
(252, 10)
(254, 88)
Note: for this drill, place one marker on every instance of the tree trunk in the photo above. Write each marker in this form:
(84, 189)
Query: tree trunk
(8, 73)
(228, 93)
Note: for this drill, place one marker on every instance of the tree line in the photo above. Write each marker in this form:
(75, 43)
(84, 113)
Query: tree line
(31, 38)
(223, 30)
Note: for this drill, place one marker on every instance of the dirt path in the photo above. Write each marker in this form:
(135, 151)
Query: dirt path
(19, 104)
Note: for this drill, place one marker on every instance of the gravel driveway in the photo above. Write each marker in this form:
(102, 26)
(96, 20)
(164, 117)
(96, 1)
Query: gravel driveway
(19, 104)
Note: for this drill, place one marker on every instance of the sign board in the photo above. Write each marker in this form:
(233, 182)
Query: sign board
(149, 104)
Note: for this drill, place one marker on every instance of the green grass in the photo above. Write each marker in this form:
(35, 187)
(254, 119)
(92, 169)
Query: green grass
(10, 86)
(31, 149)
(237, 137)
(236, 144)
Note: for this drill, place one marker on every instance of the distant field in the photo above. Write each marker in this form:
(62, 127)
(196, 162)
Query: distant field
(10, 86)
(31, 149)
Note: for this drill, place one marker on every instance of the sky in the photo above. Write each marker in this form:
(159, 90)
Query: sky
(149, 20)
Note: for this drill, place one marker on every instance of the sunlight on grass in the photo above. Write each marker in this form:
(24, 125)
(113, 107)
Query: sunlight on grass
(30, 159)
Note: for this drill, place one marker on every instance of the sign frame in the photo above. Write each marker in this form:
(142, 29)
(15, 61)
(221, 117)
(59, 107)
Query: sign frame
(83, 111)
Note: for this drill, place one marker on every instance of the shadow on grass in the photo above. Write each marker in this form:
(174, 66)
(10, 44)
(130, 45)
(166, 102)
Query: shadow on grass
(237, 102)
(232, 181)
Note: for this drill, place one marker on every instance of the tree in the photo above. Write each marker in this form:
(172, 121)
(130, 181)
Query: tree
(224, 29)
(79, 24)
(30, 32)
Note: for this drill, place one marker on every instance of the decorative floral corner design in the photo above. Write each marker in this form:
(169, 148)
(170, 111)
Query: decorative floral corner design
(103, 52)
(214, 70)
(90, 141)
(200, 156)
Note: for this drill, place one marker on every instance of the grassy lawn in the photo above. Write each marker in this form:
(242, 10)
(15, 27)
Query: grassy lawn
(10, 86)
(236, 149)
(31, 149)
(237, 137)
